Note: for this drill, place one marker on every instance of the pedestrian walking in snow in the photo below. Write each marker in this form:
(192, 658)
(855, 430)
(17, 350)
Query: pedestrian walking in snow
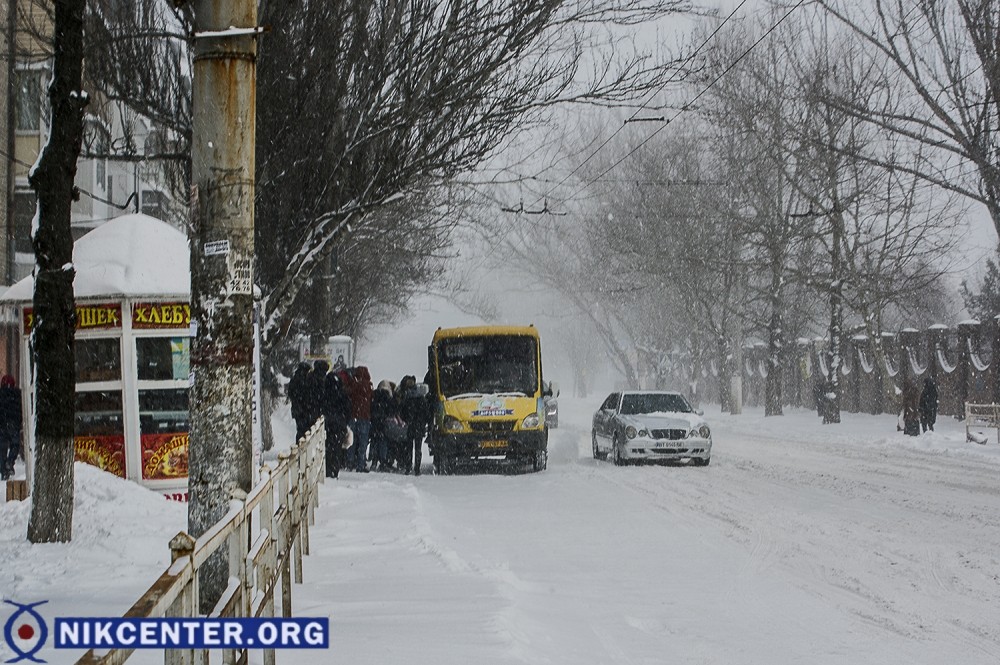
(911, 409)
(928, 405)
(10, 425)
(298, 398)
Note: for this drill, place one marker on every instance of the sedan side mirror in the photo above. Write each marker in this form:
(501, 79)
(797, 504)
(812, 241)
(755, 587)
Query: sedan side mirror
(699, 412)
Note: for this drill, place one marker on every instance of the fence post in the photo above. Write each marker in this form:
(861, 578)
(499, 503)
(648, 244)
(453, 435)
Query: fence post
(287, 532)
(182, 545)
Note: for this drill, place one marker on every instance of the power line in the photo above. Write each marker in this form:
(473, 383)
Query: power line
(688, 105)
(95, 197)
(642, 107)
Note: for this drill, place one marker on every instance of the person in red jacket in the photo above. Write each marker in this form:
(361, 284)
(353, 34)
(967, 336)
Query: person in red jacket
(358, 386)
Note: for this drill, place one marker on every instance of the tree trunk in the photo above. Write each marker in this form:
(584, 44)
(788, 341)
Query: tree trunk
(775, 344)
(833, 358)
(725, 375)
(54, 316)
(221, 454)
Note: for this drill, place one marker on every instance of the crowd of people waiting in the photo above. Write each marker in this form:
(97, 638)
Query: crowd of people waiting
(384, 426)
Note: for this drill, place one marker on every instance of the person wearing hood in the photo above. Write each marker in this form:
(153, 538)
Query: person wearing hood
(383, 408)
(359, 391)
(928, 405)
(336, 412)
(10, 425)
(315, 391)
(414, 410)
(298, 398)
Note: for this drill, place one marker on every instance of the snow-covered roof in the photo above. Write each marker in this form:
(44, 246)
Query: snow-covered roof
(129, 256)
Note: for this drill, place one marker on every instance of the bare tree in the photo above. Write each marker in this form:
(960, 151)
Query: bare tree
(54, 321)
(939, 63)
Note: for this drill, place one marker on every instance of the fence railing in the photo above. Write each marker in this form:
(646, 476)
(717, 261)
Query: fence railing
(266, 534)
(981, 415)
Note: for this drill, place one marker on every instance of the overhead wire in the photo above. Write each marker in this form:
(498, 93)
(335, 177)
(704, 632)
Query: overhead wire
(686, 106)
(633, 117)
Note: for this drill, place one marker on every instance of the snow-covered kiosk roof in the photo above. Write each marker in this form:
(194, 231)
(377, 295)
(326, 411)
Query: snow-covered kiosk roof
(130, 256)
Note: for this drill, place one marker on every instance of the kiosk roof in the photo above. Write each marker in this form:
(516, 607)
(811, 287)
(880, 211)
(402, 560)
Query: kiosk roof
(129, 256)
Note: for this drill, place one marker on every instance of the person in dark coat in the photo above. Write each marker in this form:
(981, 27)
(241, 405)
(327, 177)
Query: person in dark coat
(10, 425)
(298, 398)
(316, 391)
(928, 405)
(383, 408)
(413, 408)
(336, 412)
(911, 409)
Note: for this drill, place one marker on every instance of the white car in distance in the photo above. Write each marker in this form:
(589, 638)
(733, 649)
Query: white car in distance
(650, 426)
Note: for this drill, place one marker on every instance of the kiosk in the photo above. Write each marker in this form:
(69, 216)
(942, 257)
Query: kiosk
(133, 334)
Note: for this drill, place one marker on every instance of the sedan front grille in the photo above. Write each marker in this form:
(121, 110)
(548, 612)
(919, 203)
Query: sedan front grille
(492, 426)
(669, 434)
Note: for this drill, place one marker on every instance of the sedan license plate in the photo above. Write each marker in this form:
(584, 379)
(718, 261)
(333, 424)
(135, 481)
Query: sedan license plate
(493, 444)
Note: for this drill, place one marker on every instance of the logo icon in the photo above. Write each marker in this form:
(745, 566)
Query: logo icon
(25, 632)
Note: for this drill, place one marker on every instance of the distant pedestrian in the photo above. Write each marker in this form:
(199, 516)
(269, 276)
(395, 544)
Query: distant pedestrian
(298, 398)
(336, 412)
(358, 387)
(383, 409)
(911, 409)
(10, 425)
(316, 391)
(415, 412)
(928, 405)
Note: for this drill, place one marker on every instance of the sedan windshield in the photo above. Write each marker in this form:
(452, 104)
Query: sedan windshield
(488, 365)
(655, 403)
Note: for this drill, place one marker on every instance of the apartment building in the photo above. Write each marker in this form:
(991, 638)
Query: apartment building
(109, 187)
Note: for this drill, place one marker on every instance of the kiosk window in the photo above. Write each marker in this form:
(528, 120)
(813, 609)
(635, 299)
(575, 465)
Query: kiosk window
(98, 360)
(163, 411)
(163, 358)
(99, 413)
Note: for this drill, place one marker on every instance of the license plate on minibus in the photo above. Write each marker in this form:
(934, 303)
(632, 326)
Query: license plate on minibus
(493, 444)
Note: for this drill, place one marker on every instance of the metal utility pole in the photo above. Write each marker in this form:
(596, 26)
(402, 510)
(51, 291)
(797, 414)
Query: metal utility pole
(222, 198)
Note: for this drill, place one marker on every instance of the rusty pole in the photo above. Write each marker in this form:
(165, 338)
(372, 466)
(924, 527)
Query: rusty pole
(224, 104)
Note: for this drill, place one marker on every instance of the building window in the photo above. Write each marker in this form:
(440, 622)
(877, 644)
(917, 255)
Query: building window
(163, 358)
(24, 212)
(98, 360)
(163, 365)
(154, 204)
(29, 107)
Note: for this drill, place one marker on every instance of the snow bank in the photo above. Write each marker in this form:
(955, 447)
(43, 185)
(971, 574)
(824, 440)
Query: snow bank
(119, 547)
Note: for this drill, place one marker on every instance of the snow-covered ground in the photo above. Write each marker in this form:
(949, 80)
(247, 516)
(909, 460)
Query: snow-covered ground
(799, 544)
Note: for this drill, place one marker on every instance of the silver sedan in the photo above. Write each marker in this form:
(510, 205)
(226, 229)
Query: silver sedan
(650, 426)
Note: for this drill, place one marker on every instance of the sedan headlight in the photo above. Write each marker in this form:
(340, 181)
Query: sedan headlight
(705, 432)
(630, 432)
(452, 424)
(530, 422)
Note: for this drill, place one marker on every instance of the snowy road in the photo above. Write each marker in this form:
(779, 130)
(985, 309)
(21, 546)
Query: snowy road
(800, 544)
